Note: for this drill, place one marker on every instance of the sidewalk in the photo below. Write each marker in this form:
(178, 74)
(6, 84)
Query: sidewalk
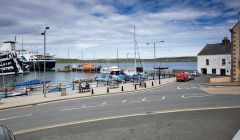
(20, 101)
(222, 84)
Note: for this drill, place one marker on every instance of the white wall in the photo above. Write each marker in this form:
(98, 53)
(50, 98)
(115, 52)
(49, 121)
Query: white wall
(215, 62)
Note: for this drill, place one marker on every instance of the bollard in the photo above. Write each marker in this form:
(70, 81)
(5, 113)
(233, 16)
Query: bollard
(107, 89)
(152, 84)
(26, 90)
(73, 85)
(145, 85)
(122, 88)
(92, 92)
(135, 87)
(59, 87)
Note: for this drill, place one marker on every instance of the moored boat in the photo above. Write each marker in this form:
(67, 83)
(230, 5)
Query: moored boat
(87, 67)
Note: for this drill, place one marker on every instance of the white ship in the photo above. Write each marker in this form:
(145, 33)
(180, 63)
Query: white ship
(9, 62)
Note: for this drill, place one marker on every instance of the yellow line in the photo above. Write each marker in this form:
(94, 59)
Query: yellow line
(122, 116)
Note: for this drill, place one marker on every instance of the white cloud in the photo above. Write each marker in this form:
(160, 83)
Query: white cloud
(74, 26)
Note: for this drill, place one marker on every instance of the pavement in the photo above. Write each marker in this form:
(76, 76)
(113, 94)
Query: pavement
(106, 113)
(20, 101)
(222, 84)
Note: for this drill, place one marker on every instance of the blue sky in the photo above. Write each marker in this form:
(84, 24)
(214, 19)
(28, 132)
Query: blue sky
(105, 25)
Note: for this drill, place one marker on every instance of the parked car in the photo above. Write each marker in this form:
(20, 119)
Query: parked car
(182, 76)
(190, 75)
(194, 73)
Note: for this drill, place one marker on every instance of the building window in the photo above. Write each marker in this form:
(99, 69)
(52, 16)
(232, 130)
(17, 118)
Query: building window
(223, 62)
(213, 71)
(207, 61)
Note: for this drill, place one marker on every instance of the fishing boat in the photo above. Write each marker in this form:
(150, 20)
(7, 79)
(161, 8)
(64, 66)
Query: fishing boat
(87, 67)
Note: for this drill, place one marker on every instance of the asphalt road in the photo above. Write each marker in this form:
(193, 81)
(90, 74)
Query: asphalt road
(220, 124)
(175, 96)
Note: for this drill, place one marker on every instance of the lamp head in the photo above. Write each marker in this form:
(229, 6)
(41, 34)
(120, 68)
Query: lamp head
(42, 33)
(47, 28)
(147, 43)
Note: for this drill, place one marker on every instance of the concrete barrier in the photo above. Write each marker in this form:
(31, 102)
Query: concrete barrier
(219, 79)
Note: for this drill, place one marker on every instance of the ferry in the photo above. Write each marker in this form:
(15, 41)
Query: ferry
(9, 62)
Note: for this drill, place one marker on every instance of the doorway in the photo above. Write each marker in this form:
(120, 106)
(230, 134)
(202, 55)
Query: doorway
(222, 71)
(204, 71)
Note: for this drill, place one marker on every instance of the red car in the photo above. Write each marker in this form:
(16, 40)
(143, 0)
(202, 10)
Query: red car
(182, 76)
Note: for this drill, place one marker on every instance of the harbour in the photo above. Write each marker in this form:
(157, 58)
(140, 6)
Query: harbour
(56, 76)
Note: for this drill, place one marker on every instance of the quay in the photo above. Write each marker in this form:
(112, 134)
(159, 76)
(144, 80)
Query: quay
(34, 99)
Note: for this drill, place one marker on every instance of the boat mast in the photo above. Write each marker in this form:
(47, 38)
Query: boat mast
(135, 50)
(117, 58)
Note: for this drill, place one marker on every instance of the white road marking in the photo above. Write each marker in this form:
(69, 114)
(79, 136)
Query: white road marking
(144, 99)
(16, 117)
(195, 96)
(163, 98)
(84, 106)
(103, 104)
(179, 87)
(124, 101)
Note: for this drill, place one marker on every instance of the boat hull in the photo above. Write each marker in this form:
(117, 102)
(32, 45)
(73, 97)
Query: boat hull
(89, 70)
(40, 65)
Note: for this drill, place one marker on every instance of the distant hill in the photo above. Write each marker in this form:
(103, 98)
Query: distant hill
(170, 59)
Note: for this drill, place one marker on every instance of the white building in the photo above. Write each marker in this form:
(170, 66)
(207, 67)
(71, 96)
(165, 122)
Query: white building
(215, 59)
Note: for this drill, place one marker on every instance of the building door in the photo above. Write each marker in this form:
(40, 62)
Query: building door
(204, 71)
(222, 71)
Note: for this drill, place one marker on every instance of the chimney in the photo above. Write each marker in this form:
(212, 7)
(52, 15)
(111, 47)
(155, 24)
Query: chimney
(225, 41)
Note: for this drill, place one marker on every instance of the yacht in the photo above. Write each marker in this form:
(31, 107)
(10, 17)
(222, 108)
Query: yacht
(9, 62)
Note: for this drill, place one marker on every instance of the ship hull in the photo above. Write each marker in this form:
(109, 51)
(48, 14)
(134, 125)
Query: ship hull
(40, 65)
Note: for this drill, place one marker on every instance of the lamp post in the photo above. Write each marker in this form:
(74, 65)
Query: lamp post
(154, 47)
(44, 69)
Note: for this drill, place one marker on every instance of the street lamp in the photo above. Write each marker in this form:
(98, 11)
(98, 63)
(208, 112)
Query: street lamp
(44, 69)
(154, 46)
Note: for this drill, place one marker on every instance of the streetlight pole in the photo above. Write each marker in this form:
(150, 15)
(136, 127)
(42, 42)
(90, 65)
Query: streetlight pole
(44, 69)
(154, 47)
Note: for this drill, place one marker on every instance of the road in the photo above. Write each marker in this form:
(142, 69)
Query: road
(177, 96)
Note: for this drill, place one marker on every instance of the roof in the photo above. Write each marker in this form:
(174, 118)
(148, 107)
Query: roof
(9, 42)
(236, 24)
(215, 49)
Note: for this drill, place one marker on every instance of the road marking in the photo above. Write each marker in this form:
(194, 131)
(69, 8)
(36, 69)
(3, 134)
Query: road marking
(195, 96)
(16, 117)
(104, 103)
(124, 101)
(84, 106)
(138, 101)
(123, 116)
(163, 98)
(178, 87)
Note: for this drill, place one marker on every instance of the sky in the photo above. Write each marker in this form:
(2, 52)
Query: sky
(101, 27)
